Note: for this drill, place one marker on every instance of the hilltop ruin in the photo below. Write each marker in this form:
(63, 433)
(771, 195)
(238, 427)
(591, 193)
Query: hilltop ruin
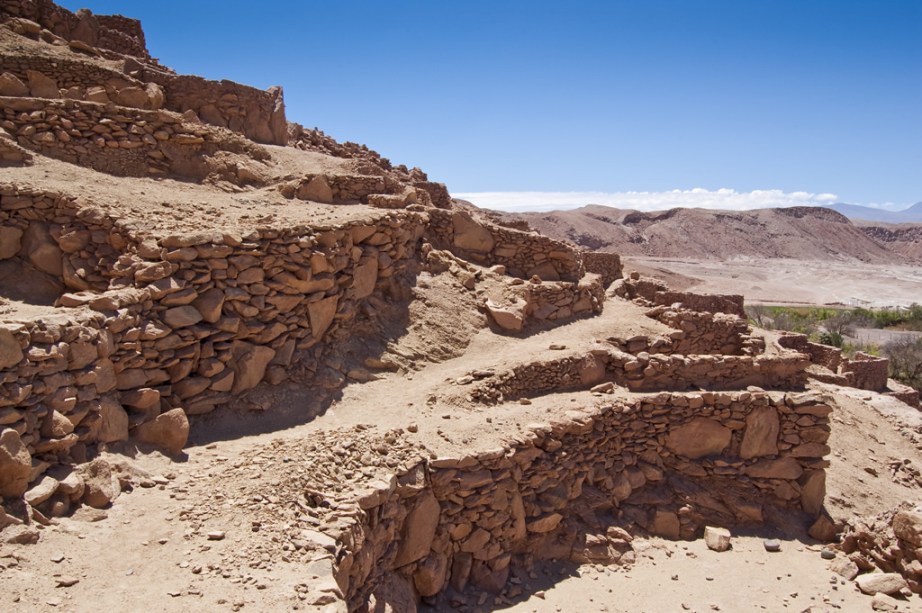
(174, 252)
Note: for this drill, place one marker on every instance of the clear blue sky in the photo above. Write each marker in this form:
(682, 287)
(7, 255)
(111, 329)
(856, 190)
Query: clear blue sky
(812, 95)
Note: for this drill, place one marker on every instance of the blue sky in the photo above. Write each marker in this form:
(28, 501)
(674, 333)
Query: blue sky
(798, 98)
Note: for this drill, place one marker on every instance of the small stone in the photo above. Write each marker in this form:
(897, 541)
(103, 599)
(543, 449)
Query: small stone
(886, 583)
(66, 581)
(772, 545)
(717, 539)
(413, 428)
(882, 602)
(216, 535)
(827, 553)
(57, 558)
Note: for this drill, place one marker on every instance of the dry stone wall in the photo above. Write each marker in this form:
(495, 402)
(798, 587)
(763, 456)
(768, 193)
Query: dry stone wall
(863, 371)
(187, 322)
(643, 372)
(122, 141)
(523, 254)
(115, 33)
(667, 463)
(606, 265)
(257, 114)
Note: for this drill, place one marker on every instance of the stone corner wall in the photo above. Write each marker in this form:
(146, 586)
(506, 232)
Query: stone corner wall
(607, 265)
(523, 254)
(866, 372)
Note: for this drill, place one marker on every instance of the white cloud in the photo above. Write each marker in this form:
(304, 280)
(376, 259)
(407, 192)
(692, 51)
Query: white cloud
(724, 198)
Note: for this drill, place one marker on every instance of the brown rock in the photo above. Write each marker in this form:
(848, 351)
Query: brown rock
(431, 575)
(41, 86)
(761, 435)
(249, 364)
(209, 304)
(182, 316)
(10, 241)
(813, 492)
(10, 85)
(666, 524)
(488, 579)
(56, 425)
(41, 250)
(15, 465)
(698, 438)
(510, 317)
(321, 314)
(113, 421)
(100, 485)
(823, 529)
(168, 430)
(10, 351)
(364, 278)
(470, 235)
(544, 524)
(316, 190)
(907, 526)
(41, 491)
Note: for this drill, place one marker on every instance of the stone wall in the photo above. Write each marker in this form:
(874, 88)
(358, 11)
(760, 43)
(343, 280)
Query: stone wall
(866, 372)
(863, 371)
(55, 77)
(643, 372)
(707, 332)
(123, 141)
(655, 293)
(536, 304)
(255, 113)
(523, 254)
(666, 463)
(606, 265)
(114, 33)
(187, 322)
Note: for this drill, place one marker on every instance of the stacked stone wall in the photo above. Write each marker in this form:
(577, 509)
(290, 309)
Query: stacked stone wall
(667, 463)
(115, 33)
(863, 371)
(188, 322)
(257, 114)
(523, 254)
(120, 140)
(606, 265)
(643, 372)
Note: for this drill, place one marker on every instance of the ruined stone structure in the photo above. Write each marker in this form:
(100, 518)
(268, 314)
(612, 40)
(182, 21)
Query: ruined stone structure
(134, 326)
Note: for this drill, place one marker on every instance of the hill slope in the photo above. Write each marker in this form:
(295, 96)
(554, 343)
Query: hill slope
(799, 232)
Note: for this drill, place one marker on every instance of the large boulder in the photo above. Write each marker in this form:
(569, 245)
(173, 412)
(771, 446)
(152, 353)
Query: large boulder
(10, 85)
(15, 465)
(168, 430)
(10, 241)
(470, 235)
(250, 362)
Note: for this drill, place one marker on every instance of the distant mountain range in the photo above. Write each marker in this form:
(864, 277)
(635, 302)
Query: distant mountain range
(807, 233)
(854, 211)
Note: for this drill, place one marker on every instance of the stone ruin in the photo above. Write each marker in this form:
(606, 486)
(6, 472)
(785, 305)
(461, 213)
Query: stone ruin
(133, 328)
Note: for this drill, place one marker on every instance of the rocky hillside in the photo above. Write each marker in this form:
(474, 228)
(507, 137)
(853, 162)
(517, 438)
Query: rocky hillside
(904, 239)
(807, 233)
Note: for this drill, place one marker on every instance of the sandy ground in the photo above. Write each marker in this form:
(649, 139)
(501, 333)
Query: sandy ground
(778, 281)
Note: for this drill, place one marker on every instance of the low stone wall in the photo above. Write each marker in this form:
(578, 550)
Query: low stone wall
(194, 322)
(536, 304)
(656, 293)
(114, 33)
(523, 254)
(122, 141)
(255, 113)
(606, 265)
(666, 463)
(706, 331)
(863, 371)
(866, 372)
(643, 372)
